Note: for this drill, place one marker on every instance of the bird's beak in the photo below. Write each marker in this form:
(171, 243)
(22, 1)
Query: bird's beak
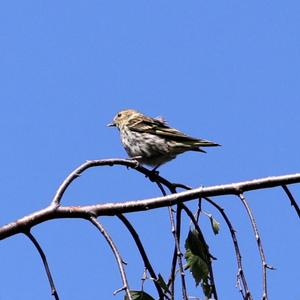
(111, 124)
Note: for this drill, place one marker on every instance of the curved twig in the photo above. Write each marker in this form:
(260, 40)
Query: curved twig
(242, 283)
(142, 251)
(292, 199)
(240, 277)
(171, 281)
(153, 176)
(235, 188)
(265, 266)
(46, 266)
(116, 253)
(176, 228)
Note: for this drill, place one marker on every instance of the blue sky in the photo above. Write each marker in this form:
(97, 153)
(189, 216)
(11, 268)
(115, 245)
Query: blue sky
(227, 71)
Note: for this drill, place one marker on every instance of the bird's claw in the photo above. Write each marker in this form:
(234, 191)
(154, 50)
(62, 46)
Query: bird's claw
(152, 175)
(136, 160)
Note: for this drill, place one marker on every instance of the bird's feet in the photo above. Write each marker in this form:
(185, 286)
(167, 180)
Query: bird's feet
(136, 159)
(153, 174)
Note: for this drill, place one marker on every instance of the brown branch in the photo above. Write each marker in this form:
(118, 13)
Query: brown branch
(265, 266)
(91, 212)
(235, 188)
(103, 162)
(241, 274)
(116, 253)
(246, 294)
(108, 209)
(176, 228)
(46, 266)
(171, 281)
(142, 251)
(292, 199)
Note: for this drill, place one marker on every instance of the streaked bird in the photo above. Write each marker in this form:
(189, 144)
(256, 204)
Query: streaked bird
(151, 141)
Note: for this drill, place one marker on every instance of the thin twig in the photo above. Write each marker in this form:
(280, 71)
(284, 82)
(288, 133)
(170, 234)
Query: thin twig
(265, 266)
(242, 283)
(199, 209)
(116, 253)
(292, 199)
(169, 185)
(176, 234)
(241, 276)
(46, 266)
(171, 281)
(153, 176)
(144, 278)
(220, 190)
(142, 251)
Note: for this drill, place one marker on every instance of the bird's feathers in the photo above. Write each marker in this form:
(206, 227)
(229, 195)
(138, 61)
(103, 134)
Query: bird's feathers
(152, 139)
(160, 128)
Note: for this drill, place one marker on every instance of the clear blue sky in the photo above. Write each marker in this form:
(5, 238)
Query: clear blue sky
(228, 71)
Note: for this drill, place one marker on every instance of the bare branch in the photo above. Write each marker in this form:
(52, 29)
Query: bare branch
(242, 283)
(46, 266)
(235, 188)
(116, 253)
(292, 199)
(171, 281)
(91, 212)
(103, 162)
(265, 266)
(78, 171)
(176, 228)
(240, 277)
(142, 251)
(108, 209)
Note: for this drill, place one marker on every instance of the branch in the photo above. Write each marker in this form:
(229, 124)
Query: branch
(102, 162)
(176, 230)
(235, 188)
(108, 209)
(116, 253)
(142, 251)
(292, 199)
(44, 259)
(265, 266)
(241, 280)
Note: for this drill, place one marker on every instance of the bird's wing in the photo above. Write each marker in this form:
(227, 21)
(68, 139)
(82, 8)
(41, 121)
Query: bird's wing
(159, 127)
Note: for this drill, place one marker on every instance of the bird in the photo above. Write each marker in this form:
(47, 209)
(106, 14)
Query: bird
(151, 141)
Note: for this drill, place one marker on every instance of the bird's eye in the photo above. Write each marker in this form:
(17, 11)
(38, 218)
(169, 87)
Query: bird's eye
(119, 115)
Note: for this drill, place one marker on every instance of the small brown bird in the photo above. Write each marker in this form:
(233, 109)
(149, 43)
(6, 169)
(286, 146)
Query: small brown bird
(151, 141)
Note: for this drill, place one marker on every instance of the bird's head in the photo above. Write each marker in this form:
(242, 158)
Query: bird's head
(123, 117)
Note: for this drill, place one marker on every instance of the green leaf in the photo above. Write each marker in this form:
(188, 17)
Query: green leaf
(139, 295)
(197, 266)
(197, 245)
(162, 283)
(198, 261)
(215, 225)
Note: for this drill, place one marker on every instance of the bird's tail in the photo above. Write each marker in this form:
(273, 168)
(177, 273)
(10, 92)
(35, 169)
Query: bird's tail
(203, 143)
